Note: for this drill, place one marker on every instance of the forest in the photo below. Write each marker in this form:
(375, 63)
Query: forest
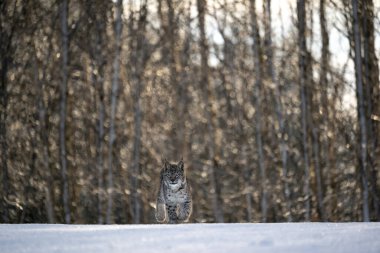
(275, 119)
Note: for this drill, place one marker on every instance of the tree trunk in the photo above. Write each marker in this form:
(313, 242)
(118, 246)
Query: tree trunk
(279, 111)
(63, 109)
(114, 92)
(372, 97)
(100, 144)
(98, 80)
(3, 137)
(136, 156)
(171, 32)
(210, 114)
(318, 174)
(247, 180)
(327, 147)
(257, 99)
(302, 54)
(139, 55)
(361, 110)
(43, 131)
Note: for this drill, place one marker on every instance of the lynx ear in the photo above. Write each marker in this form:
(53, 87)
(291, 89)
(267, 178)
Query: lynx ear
(180, 164)
(165, 162)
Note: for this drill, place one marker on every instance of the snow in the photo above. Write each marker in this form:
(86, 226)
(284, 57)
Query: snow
(248, 237)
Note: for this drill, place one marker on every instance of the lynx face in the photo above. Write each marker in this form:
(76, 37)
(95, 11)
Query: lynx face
(174, 175)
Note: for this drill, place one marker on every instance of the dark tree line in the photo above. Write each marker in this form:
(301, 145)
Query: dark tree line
(94, 94)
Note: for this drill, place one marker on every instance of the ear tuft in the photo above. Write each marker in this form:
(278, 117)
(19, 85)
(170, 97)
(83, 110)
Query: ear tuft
(165, 162)
(180, 164)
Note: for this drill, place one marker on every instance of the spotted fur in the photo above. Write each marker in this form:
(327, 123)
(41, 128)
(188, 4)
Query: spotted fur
(174, 203)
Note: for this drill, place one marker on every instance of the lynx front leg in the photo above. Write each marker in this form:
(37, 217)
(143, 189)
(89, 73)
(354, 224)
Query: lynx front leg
(184, 211)
(160, 212)
(160, 206)
(172, 213)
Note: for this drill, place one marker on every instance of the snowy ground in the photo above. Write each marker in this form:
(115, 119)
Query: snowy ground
(252, 238)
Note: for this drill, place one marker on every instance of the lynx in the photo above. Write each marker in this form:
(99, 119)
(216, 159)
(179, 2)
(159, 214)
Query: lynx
(174, 204)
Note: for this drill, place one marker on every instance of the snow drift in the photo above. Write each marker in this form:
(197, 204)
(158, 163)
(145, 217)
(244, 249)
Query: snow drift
(281, 237)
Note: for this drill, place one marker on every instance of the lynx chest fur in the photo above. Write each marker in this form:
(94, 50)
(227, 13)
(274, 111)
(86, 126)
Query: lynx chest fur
(173, 197)
(174, 203)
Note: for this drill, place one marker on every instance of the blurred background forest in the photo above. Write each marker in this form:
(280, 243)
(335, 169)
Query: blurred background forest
(275, 120)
